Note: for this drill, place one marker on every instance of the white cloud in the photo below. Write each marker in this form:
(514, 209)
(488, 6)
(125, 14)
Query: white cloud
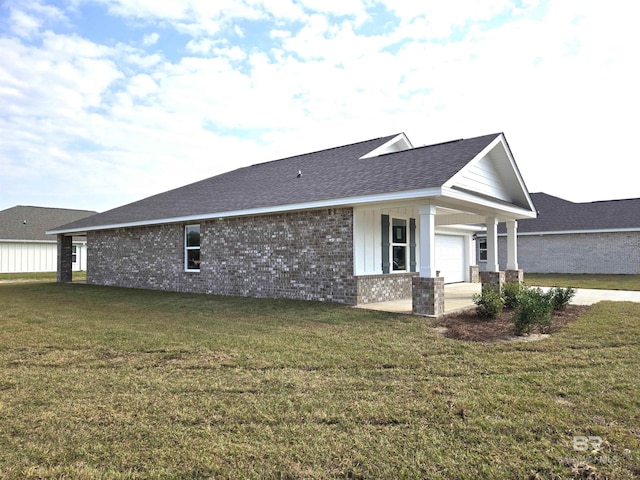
(150, 39)
(559, 83)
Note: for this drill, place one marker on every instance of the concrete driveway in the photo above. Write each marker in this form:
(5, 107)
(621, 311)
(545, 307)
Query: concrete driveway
(458, 296)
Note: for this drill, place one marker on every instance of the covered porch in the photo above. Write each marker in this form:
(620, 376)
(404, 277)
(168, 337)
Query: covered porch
(457, 296)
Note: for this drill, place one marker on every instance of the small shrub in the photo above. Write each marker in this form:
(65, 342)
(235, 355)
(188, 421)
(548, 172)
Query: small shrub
(510, 294)
(561, 297)
(489, 303)
(534, 308)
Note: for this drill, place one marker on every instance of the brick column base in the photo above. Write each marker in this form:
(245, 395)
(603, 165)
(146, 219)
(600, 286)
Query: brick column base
(513, 276)
(492, 280)
(474, 273)
(428, 296)
(65, 259)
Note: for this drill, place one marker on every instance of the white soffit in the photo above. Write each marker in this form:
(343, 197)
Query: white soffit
(396, 144)
(494, 174)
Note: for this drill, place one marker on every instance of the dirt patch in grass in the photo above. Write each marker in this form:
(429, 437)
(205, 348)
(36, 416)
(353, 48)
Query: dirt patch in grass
(467, 326)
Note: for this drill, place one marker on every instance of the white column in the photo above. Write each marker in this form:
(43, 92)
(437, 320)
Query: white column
(492, 244)
(512, 245)
(427, 241)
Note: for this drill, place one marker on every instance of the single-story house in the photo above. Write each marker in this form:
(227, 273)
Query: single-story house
(567, 237)
(367, 222)
(24, 245)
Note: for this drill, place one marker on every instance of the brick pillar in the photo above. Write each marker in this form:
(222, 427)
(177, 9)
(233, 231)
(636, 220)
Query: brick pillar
(492, 280)
(474, 274)
(65, 259)
(514, 276)
(428, 295)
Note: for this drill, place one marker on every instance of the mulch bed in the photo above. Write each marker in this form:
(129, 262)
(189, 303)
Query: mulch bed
(467, 326)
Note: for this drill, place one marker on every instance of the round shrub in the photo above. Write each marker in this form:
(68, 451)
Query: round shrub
(534, 308)
(489, 303)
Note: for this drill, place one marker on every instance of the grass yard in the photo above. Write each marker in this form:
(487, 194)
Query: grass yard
(39, 277)
(600, 281)
(99, 382)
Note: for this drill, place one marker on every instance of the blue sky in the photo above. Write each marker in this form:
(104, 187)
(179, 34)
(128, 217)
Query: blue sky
(106, 102)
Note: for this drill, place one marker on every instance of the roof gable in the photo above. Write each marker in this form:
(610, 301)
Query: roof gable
(493, 173)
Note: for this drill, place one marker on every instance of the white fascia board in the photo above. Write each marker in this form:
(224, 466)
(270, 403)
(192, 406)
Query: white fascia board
(498, 208)
(569, 232)
(2, 240)
(338, 202)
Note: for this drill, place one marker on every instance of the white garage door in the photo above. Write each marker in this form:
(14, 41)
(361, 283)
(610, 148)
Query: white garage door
(450, 258)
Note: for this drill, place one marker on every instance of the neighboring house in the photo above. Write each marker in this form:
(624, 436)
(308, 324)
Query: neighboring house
(24, 245)
(371, 221)
(568, 237)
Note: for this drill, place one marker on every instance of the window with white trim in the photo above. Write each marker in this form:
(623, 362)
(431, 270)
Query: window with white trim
(192, 248)
(399, 247)
(482, 249)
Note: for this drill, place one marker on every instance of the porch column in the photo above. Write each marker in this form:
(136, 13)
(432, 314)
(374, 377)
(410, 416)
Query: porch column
(65, 258)
(492, 277)
(492, 245)
(427, 290)
(427, 241)
(512, 245)
(513, 274)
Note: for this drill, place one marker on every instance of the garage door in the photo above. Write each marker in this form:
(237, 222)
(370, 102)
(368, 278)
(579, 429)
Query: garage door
(450, 258)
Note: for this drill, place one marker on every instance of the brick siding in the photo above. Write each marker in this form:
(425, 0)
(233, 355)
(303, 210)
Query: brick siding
(382, 288)
(301, 255)
(612, 253)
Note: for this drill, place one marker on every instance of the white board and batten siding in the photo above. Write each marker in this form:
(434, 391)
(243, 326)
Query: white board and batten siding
(485, 178)
(452, 252)
(32, 257)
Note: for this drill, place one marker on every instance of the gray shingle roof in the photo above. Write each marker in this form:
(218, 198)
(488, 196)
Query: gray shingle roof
(326, 175)
(556, 214)
(31, 223)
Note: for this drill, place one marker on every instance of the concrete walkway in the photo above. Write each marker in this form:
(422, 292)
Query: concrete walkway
(458, 296)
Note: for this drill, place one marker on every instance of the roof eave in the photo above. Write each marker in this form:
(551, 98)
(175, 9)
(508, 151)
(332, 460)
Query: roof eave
(330, 203)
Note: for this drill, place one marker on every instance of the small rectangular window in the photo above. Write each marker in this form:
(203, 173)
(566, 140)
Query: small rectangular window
(74, 254)
(482, 250)
(192, 248)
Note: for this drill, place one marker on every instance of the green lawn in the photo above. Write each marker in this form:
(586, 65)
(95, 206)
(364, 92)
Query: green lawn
(99, 382)
(607, 282)
(39, 277)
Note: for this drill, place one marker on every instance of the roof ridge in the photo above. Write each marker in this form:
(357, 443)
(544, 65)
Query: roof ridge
(50, 208)
(612, 200)
(313, 152)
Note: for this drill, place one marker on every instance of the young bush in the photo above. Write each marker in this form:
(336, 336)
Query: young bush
(561, 297)
(510, 294)
(489, 303)
(534, 308)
